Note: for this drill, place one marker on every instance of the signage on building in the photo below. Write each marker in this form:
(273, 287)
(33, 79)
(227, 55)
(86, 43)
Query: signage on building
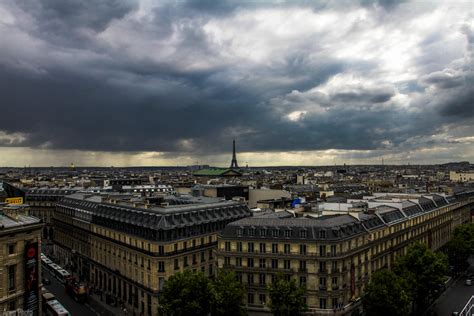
(31, 278)
(14, 200)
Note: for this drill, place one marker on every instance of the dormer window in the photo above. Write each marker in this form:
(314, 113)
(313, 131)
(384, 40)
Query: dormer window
(263, 232)
(251, 232)
(303, 233)
(322, 234)
(275, 233)
(288, 233)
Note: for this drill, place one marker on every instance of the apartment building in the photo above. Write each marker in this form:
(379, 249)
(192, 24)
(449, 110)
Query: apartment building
(333, 256)
(128, 245)
(20, 265)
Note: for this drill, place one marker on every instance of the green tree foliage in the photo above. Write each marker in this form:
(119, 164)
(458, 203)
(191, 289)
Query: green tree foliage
(461, 246)
(229, 295)
(386, 294)
(187, 293)
(286, 298)
(423, 270)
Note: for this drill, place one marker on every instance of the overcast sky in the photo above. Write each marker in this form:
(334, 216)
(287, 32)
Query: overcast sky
(104, 82)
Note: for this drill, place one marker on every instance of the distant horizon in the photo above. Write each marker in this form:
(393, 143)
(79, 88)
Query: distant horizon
(240, 167)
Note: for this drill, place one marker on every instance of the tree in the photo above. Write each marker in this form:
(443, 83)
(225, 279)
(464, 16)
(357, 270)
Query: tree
(386, 294)
(461, 246)
(286, 298)
(187, 293)
(229, 295)
(424, 272)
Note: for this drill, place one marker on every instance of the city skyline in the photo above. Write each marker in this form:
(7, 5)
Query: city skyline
(135, 83)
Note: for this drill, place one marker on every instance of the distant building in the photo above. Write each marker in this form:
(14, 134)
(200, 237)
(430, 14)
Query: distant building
(128, 246)
(256, 195)
(217, 172)
(461, 176)
(20, 263)
(42, 202)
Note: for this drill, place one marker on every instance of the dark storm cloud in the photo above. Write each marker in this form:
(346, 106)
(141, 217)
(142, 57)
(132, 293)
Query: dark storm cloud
(101, 77)
(63, 22)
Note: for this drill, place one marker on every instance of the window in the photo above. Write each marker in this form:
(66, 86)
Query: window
(334, 283)
(176, 264)
(250, 278)
(287, 248)
(238, 262)
(261, 279)
(250, 298)
(210, 254)
(185, 261)
(288, 233)
(274, 248)
(262, 298)
(274, 263)
(335, 303)
(322, 266)
(275, 233)
(239, 246)
(286, 264)
(11, 249)
(303, 281)
(185, 245)
(239, 231)
(322, 234)
(250, 247)
(238, 276)
(322, 303)
(263, 232)
(250, 262)
(302, 249)
(227, 246)
(175, 247)
(322, 283)
(251, 232)
(334, 266)
(263, 248)
(226, 261)
(262, 263)
(203, 256)
(302, 265)
(303, 233)
(161, 266)
(322, 250)
(333, 250)
(11, 278)
(161, 250)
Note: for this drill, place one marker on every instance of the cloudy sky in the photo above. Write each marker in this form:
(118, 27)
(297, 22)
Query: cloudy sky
(105, 82)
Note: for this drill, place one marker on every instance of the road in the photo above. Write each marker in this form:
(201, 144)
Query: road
(76, 309)
(454, 298)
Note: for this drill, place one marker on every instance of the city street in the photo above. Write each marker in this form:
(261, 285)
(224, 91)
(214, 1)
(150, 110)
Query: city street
(76, 309)
(455, 297)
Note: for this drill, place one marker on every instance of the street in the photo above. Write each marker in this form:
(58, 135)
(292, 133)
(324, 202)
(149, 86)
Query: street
(455, 297)
(76, 309)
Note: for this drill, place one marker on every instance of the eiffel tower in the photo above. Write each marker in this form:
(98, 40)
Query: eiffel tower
(234, 164)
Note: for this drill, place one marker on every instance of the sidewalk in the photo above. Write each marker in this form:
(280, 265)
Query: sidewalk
(100, 307)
